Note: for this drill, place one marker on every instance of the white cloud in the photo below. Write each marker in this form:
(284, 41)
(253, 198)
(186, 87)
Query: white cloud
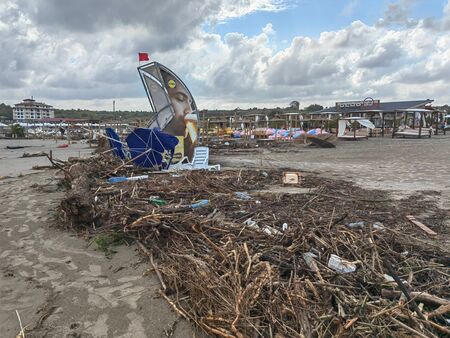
(66, 63)
(239, 8)
(398, 12)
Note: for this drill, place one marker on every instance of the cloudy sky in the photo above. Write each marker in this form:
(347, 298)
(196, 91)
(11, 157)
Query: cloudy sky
(231, 53)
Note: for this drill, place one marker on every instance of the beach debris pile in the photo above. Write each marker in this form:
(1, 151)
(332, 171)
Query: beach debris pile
(282, 134)
(239, 261)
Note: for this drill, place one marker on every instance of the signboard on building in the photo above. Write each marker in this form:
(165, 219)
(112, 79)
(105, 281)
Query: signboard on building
(366, 104)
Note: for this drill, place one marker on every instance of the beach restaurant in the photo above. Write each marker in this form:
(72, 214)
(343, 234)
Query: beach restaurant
(388, 117)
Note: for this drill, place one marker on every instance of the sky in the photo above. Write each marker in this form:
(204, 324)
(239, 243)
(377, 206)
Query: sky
(230, 53)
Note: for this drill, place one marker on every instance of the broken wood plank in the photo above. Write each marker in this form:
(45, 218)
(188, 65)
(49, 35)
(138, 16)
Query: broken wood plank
(419, 296)
(413, 220)
(441, 310)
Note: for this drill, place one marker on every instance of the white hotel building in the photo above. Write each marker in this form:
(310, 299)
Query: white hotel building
(29, 109)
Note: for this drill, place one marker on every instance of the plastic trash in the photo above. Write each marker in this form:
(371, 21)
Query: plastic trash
(242, 195)
(159, 202)
(309, 259)
(356, 225)
(271, 231)
(268, 230)
(199, 204)
(113, 180)
(388, 278)
(340, 265)
(284, 227)
(378, 226)
(251, 223)
(137, 178)
(391, 279)
(120, 179)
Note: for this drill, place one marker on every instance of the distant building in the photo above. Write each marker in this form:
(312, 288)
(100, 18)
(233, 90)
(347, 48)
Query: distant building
(29, 109)
(370, 108)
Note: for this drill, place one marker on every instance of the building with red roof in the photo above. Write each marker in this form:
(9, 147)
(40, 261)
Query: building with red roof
(29, 109)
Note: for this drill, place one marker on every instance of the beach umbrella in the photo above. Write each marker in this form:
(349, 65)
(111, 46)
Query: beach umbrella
(115, 143)
(151, 148)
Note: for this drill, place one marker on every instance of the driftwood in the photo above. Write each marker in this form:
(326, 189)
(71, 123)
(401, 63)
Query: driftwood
(235, 280)
(419, 296)
(42, 153)
(42, 167)
(422, 226)
(441, 310)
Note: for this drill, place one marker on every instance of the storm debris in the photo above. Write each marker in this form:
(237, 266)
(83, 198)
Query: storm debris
(221, 269)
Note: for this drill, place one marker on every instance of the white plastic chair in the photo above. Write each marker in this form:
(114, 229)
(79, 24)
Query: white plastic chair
(199, 161)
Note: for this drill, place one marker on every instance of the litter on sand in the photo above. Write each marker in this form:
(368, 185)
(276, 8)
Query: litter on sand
(289, 266)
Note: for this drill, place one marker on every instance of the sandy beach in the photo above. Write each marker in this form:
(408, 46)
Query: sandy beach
(63, 286)
(12, 163)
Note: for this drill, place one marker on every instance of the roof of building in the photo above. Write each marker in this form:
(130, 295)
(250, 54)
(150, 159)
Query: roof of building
(383, 106)
(61, 119)
(31, 102)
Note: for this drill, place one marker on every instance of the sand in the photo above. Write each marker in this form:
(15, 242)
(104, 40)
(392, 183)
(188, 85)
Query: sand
(64, 288)
(12, 164)
(60, 285)
(401, 166)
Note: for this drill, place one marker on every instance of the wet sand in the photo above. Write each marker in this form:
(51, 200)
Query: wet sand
(60, 285)
(401, 166)
(12, 163)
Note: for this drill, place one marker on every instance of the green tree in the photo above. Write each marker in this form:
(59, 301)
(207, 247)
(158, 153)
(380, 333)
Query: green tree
(314, 107)
(17, 131)
(6, 111)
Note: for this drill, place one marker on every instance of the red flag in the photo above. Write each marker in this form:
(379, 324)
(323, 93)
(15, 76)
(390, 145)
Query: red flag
(143, 57)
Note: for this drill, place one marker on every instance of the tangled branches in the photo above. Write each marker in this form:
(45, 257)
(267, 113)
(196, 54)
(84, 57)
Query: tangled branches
(259, 267)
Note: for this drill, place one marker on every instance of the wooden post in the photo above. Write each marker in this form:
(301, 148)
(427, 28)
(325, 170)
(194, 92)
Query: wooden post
(420, 123)
(203, 127)
(394, 124)
(225, 125)
(437, 122)
(207, 132)
(91, 135)
(68, 132)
